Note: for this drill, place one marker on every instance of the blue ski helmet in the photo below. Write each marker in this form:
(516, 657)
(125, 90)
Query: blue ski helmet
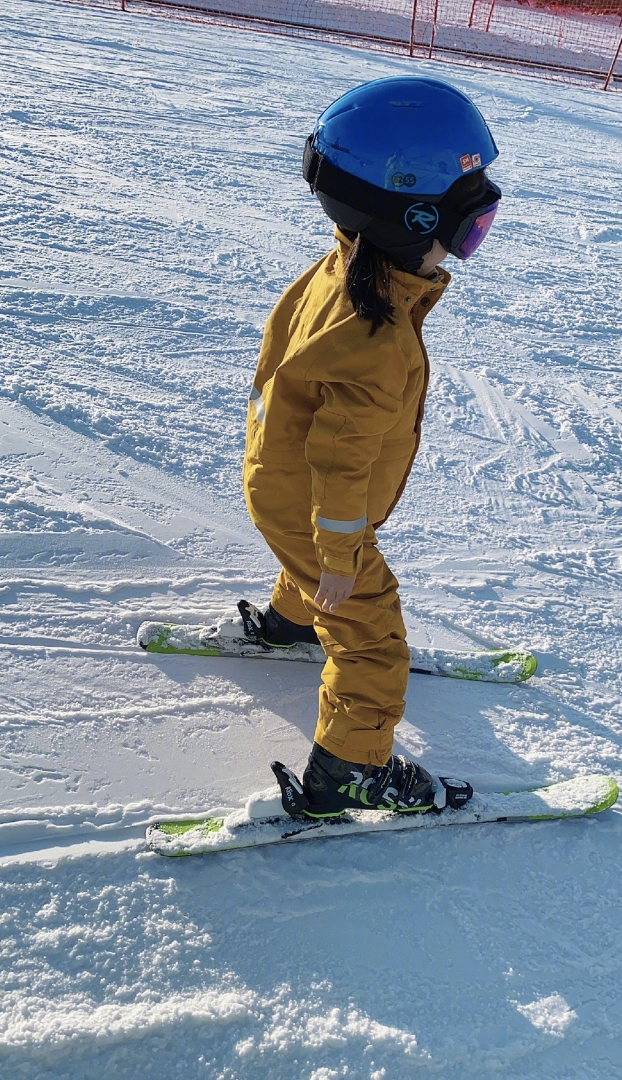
(390, 160)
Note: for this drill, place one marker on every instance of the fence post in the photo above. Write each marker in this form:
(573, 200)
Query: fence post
(472, 15)
(433, 34)
(122, 5)
(492, 8)
(613, 64)
(412, 29)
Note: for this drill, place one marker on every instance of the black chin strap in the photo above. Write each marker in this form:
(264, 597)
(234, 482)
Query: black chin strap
(409, 264)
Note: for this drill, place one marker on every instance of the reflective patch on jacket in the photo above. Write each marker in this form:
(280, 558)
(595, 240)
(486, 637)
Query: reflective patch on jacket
(330, 525)
(258, 402)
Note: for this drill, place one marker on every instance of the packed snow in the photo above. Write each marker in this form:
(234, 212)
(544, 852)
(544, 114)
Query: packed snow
(152, 212)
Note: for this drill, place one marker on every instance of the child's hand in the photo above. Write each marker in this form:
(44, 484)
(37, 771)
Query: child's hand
(333, 589)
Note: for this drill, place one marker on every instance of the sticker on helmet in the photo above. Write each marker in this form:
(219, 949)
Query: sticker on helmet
(421, 218)
(467, 162)
(477, 161)
(399, 179)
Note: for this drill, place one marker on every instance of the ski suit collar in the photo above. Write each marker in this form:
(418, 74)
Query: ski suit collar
(409, 289)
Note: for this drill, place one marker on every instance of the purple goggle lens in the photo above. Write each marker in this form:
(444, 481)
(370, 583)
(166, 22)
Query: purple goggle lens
(477, 232)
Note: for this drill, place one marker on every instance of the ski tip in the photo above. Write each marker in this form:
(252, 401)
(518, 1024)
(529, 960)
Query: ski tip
(171, 837)
(143, 635)
(153, 636)
(610, 796)
(526, 662)
(530, 666)
(489, 665)
(176, 639)
(580, 796)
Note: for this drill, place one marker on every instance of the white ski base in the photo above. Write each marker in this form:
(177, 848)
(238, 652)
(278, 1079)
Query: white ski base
(262, 821)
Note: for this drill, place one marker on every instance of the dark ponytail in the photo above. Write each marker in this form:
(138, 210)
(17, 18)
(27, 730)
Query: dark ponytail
(368, 281)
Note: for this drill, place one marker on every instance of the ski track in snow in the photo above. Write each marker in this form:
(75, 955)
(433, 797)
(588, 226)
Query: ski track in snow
(152, 212)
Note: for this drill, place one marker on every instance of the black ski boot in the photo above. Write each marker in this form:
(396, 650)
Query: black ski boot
(331, 786)
(273, 629)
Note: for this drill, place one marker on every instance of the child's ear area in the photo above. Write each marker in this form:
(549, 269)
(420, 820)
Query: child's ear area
(436, 255)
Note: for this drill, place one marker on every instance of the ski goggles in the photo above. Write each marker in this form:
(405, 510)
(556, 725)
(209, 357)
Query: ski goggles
(468, 231)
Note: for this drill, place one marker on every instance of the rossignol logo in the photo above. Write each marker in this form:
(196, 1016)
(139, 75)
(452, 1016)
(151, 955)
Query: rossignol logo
(421, 218)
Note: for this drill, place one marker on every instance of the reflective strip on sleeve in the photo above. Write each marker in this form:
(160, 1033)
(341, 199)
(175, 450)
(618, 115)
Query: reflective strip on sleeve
(342, 526)
(258, 402)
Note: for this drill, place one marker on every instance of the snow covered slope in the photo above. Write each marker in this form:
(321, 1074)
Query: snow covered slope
(152, 211)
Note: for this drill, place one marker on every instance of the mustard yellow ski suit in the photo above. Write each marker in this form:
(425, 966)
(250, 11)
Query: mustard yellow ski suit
(334, 424)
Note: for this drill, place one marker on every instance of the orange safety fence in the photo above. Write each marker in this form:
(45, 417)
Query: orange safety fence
(578, 41)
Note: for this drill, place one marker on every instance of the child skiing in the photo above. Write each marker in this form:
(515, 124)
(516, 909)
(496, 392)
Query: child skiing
(335, 417)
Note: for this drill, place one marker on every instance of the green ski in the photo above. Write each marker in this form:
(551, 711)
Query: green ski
(263, 821)
(227, 639)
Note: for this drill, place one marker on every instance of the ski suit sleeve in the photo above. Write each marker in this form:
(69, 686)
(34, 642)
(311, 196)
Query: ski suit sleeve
(344, 440)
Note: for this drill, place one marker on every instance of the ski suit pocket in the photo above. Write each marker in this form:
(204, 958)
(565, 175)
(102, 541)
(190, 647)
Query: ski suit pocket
(388, 475)
(320, 446)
